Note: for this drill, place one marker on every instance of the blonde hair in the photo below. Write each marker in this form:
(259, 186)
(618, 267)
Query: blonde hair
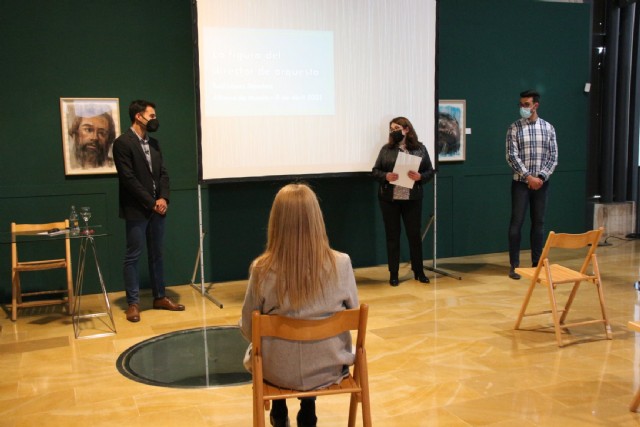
(298, 251)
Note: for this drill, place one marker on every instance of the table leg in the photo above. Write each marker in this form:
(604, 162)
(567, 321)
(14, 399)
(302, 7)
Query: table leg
(77, 315)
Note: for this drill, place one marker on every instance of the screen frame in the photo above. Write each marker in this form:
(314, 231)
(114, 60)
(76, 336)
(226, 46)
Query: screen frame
(197, 87)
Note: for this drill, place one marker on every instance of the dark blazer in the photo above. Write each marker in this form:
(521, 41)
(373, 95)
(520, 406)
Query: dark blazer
(386, 161)
(136, 179)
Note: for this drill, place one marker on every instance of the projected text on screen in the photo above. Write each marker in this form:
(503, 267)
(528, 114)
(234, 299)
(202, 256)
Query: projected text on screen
(265, 72)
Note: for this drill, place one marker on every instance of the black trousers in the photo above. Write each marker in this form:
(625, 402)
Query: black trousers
(522, 198)
(307, 414)
(410, 212)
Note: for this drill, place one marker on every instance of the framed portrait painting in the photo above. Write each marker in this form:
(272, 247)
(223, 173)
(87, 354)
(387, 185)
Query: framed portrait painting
(89, 127)
(451, 130)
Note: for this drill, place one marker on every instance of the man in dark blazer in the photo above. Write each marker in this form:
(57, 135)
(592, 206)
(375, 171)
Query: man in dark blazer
(144, 200)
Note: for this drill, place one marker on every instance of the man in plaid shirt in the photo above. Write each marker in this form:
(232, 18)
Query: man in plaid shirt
(532, 153)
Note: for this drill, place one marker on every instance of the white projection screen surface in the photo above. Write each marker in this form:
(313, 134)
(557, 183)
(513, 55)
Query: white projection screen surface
(308, 87)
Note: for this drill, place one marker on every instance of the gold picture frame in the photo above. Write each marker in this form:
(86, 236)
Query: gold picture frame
(89, 127)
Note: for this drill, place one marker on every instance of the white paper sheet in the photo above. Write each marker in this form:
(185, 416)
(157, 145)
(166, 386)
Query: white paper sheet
(53, 233)
(405, 163)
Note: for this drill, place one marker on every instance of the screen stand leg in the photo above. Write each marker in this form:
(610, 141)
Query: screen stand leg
(201, 286)
(433, 267)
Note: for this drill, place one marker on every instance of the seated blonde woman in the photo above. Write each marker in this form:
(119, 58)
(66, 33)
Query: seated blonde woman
(300, 276)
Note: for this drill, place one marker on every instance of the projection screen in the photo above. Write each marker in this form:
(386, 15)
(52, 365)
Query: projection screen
(308, 87)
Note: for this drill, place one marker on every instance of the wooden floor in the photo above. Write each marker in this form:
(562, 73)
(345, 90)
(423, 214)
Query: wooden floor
(443, 354)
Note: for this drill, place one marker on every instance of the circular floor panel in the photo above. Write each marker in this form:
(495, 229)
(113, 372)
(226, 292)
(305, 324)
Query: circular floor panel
(194, 358)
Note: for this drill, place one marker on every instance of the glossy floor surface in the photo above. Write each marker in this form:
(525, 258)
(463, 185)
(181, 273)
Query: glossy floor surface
(443, 354)
(191, 358)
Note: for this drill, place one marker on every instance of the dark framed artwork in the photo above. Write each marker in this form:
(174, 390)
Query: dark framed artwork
(451, 130)
(89, 127)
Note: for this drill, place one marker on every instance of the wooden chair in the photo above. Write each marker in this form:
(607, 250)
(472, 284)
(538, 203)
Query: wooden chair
(356, 384)
(551, 275)
(18, 267)
(635, 326)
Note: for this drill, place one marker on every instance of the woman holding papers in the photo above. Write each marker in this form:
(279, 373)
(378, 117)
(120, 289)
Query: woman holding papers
(402, 167)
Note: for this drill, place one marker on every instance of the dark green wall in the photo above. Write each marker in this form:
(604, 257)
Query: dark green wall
(126, 49)
(489, 52)
(118, 49)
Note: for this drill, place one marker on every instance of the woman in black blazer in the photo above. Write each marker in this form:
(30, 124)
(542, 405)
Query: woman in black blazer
(397, 202)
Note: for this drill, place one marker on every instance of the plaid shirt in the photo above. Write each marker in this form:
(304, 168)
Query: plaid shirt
(532, 149)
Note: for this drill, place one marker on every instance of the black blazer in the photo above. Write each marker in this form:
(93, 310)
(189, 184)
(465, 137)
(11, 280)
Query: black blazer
(136, 179)
(386, 161)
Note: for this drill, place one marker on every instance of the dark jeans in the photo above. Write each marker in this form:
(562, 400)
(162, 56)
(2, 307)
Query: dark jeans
(521, 198)
(410, 211)
(139, 232)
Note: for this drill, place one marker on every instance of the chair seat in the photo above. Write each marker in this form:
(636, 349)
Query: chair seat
(347, 385)
(559, 274)
(41, 265)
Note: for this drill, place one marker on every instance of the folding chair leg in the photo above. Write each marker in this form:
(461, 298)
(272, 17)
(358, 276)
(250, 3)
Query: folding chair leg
(365, 406)
(554, 314)
(366, 411)
(569, 302)
(258, 411)
(525, 304)
(16, 295)
(635, 402)
(258, 415)
(70, 292)
(18, 289)
(355, 397)
(607, 326)
(353, 409)
(596, 272)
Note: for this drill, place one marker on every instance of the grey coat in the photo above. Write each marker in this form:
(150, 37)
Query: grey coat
(305, 365)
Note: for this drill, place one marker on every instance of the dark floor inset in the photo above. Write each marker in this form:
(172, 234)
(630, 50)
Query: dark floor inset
(194, 358)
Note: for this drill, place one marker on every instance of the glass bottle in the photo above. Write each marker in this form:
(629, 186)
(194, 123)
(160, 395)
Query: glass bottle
(74, 223)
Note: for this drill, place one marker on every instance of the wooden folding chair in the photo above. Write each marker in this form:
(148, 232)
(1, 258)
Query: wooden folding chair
(18, 267)
(356, 384)
(633, 407)
(551, 275)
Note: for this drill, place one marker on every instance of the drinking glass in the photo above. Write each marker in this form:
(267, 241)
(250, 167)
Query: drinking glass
(85, 213)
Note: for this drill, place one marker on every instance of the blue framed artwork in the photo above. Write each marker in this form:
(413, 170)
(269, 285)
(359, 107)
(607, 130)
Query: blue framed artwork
(451, 144)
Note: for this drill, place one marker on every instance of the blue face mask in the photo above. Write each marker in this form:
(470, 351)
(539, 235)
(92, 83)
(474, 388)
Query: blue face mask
(525, 113)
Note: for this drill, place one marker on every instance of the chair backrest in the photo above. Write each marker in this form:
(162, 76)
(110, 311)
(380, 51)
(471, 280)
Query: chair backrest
(35, 228)
(356, 384)
(288, 328)
(572, 241)
(28, 228)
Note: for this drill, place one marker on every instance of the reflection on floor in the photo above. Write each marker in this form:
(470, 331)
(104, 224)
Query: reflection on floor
(189, 358)
(442, 354)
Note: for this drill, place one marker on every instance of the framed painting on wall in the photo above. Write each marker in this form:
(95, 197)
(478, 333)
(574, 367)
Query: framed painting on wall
(451, 130)
(89, 127)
